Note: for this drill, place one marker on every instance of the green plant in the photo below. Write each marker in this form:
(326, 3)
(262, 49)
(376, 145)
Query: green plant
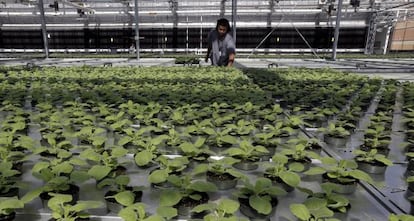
(241, 127)
(219, 166)
(371, 156)
(92, 135)
(400, 217)
(297, 152)
(12, 147)
(62, 210)
(377, 137)
(107, 164)
(334, 130)
(201, 127)
(54, 144)
(344, 170)
(197, 151)
(136, 212)
(320, 205)
(247, 151)
(135, 137)
(270, 114)
(223, 210)
(332, 201)
(147, 150)
(184, 189)
(58, 173)
(166, 167)
(261, 196)
(120, 191)
(9, 204)
(8, 178)
(280, 168)
(221, 137)
(174, 138)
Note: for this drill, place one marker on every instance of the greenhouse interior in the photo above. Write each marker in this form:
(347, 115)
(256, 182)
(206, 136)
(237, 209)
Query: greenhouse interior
(220, 110)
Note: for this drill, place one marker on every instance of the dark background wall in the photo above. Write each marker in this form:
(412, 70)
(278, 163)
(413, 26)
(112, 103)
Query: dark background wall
(176, 38)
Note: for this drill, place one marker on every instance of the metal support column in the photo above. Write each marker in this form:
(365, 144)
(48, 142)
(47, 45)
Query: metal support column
(337, 27)
(137, 46)
(222, 8)
(233, 18)
(44, 32)
(372, 31)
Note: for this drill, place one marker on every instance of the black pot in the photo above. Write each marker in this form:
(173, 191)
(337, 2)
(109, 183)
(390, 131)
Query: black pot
(248, 211)
(344, 188)
(222, 181)
(114, 206)
(73, 191)
(186, 204)
(8, 217)
(280, 183)
(11, 193)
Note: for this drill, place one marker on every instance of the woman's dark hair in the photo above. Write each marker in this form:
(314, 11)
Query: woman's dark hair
(223, 22)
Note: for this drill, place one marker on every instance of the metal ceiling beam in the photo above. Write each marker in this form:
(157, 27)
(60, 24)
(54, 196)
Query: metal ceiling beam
(222, 8)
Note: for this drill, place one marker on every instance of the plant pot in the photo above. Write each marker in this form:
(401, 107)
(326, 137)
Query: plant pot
(246, 165)
(114, 206)
(373, 168)
(8, 217)
(73, 190)
(277, 181)
(186, 204)
(344, 188)
(248, 211)
(409, 193)
(383, 150)
(11, 193)
(335, 142)
(222, 181)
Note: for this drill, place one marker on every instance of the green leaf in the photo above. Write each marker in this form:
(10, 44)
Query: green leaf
(99, 171)
(315, 203)
(57, 200)
(128, 214)
(315, 171)
(79, 176)
(361, 175)
(31, 195)
(229, 139)
(204, 207)
(228, 206)
(118, 152)
(125, 198)
(84, 205)
(143, 158)
(201, 186)
(200, 142)
(40, 166)
(10, 203)
(300, 211)
(201, 168)
(296, 167)
(167, 212)
(260, 204)
(290, 178)
(170, 198)
(158, 176)
(122, 180)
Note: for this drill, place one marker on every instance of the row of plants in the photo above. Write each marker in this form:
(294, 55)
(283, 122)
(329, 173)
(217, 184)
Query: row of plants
(72, 141)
